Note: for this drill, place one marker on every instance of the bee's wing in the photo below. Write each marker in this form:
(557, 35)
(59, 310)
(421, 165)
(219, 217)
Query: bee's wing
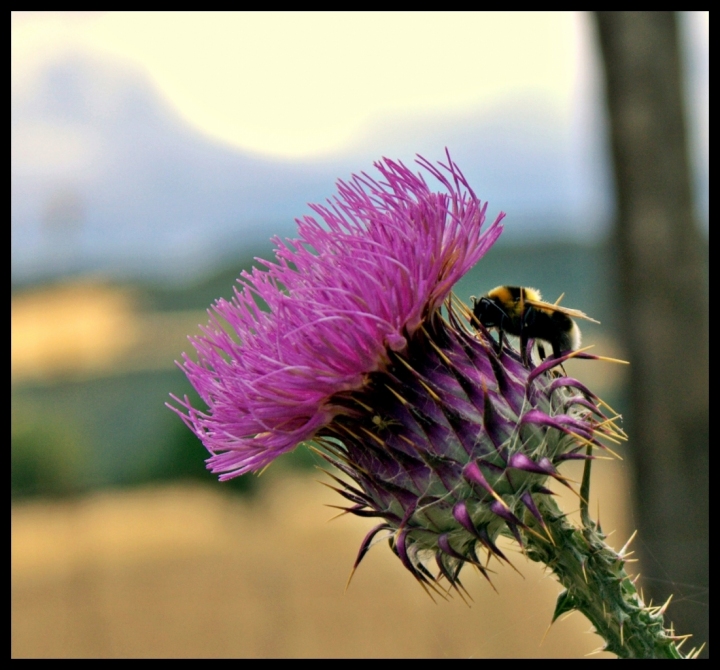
(575, 313)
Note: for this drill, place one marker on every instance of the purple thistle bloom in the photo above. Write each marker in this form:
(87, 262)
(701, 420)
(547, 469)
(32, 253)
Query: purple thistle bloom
(340, 297)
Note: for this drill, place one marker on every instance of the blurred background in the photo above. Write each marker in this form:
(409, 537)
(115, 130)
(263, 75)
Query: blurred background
(153, 156)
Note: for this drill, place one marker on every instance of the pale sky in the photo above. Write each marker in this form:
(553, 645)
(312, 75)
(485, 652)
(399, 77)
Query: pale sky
(274, 107)
(305, 85)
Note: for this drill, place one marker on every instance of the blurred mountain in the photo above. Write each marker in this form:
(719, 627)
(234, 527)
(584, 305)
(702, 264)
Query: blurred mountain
(107, 177)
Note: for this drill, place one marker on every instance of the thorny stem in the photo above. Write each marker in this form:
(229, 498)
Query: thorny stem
(597, 585)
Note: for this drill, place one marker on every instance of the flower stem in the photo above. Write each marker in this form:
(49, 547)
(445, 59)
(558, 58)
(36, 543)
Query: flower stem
(597, 585)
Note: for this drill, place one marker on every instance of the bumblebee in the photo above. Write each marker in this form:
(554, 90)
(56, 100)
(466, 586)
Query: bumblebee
(521, 312)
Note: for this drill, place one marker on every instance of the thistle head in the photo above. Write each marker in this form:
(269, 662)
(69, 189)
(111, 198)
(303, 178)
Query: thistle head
(361, 348)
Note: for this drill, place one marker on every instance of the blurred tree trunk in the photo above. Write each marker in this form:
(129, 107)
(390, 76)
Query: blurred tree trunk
(664, 297)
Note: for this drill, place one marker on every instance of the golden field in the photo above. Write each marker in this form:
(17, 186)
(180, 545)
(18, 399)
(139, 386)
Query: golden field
(187, 571)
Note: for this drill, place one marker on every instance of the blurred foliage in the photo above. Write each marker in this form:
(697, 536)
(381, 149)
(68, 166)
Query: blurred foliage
(202, 292)
(182, 457)
(114, 431)
(48, 456)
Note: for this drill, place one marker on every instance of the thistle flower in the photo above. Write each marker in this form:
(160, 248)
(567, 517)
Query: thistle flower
(444, 436)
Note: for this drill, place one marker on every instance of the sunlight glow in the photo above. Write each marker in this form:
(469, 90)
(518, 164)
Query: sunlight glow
(310, 84)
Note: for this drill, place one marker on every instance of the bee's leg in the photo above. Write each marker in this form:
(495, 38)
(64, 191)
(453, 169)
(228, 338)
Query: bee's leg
(543, 357)
(524, 348)
(500, 342)
(526, 327)
(556, 354)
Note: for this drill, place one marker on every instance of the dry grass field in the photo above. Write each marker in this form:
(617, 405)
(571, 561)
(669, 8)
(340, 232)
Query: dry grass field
(187, 571)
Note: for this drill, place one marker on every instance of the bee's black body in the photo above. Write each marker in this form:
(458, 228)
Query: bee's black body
(520, 311)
